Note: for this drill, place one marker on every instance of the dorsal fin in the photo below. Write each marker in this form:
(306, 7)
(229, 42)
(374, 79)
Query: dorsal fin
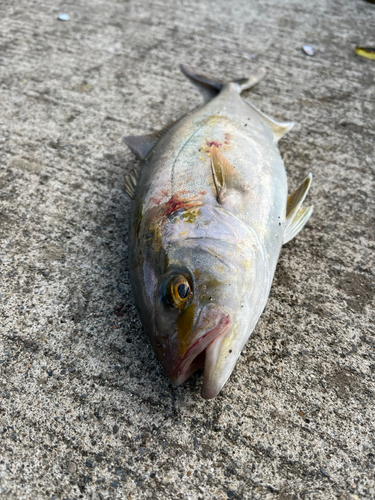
(224, 174)
(141, 145)
(130, 182)
(278, 128)
(296, 217)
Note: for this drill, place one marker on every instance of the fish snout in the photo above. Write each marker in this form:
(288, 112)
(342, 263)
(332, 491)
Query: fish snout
(213, 324)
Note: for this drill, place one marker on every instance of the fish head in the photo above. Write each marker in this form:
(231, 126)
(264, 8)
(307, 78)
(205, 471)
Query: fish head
(207, 286)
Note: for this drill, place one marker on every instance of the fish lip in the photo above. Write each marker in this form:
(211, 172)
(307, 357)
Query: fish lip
(212, 383)
(181, 373)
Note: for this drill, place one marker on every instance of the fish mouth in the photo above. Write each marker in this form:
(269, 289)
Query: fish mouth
(212, 326)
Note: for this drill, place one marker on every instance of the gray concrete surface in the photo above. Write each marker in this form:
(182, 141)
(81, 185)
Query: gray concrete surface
(86, 410)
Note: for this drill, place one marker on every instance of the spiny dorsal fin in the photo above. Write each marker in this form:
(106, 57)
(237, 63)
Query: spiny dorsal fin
(296, 217)
(224, 174)
(131, 182)
(278, 128)
(296, 199)
(141, 145)
(295, 225)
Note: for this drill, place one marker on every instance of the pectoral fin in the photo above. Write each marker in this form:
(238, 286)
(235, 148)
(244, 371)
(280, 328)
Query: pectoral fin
(296, 217)
(225, 176)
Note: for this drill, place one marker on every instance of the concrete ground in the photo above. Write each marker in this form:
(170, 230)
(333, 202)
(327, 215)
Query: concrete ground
(86, 409)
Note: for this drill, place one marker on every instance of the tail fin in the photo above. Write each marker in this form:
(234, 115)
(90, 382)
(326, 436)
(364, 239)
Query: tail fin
(210, 87)
(248, 82)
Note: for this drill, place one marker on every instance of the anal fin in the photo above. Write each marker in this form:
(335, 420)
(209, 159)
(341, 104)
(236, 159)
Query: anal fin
(278, 128)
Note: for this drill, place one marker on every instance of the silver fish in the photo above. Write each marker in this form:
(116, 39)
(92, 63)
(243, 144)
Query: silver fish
(209, 216)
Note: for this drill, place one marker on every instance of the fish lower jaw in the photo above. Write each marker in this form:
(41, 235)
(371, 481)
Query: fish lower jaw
(180, 376)
(196, 355)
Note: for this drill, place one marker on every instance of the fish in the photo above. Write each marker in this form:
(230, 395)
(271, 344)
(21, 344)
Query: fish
(210, 213)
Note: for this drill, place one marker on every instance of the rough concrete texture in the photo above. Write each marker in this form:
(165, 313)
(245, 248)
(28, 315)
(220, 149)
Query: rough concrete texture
(86, 409)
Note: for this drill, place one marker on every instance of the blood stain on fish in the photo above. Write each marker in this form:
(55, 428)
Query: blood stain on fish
(174, 203)
(214, 143)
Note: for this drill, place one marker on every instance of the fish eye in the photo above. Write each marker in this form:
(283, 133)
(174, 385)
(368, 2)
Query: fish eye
(178, 291)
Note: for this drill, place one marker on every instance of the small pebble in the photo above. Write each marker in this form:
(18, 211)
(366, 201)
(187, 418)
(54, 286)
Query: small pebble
(63, 17)
(308, 50)
(72, 468)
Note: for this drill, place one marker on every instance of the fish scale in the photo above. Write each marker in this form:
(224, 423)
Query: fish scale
(210, 213)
